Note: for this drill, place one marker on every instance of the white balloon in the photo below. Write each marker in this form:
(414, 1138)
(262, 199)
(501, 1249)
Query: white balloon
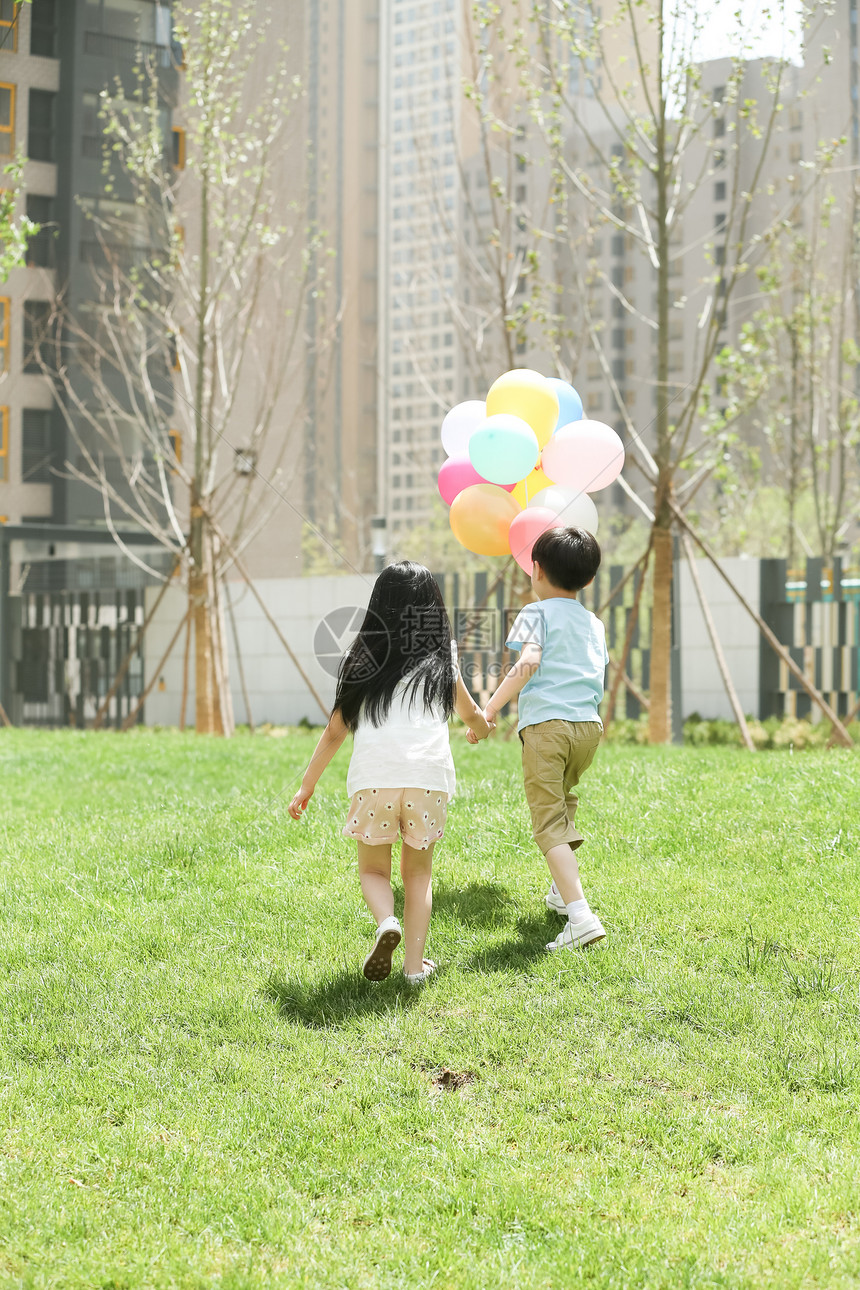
(460, 424)
(571, 507)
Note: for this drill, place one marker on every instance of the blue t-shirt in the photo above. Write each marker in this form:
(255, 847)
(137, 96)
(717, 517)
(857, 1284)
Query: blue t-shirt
(568, 685)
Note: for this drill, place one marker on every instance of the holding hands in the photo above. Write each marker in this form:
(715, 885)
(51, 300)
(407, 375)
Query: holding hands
(489, 716)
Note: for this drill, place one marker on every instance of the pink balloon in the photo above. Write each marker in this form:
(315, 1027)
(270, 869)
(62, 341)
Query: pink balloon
(458, 473)
(585, 455)
(525, 530)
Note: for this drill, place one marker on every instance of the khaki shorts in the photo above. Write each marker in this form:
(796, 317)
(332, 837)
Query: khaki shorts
(555, 755)
(377, 814)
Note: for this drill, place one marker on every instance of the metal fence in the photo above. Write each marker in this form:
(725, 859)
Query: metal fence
(814, 610)
(70, 608)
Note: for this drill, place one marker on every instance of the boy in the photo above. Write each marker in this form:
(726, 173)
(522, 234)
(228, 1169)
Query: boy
(559, 677)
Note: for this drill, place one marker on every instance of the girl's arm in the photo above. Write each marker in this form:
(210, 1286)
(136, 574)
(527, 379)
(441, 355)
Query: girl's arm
(329, 742)
(469, 713)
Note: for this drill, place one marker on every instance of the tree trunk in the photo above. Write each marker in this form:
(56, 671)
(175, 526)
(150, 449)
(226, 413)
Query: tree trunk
(660, 713)
(206, 717)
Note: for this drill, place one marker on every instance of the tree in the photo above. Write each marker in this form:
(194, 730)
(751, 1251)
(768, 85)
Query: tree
(635, 125)
(796, 369)
(188, 367)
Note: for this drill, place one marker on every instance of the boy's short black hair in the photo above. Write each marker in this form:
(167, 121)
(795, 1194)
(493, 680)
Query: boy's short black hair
(569, 557)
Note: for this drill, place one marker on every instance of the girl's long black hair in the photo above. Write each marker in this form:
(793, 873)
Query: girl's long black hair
(405, 633)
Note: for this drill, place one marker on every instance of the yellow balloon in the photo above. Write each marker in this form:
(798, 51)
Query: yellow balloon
(527, 488)
(528, 395)
(480, 517)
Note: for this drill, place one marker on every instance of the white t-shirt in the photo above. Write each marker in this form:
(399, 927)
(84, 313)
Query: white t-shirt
(410, 749)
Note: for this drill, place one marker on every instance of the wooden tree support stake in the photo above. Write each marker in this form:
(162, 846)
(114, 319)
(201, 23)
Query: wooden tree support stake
(234, 556)
(186, 664)
(132, 716)
(852, 716)
(839, 731)
(246, 700)
(630, 684)
(126, 662)
(621, 665)
(715, 644)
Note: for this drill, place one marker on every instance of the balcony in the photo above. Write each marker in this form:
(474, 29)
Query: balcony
(99, 254)
(126, 49)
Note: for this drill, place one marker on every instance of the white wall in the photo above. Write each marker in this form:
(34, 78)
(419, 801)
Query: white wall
(278, 694)
(702, 688)
(276, 691)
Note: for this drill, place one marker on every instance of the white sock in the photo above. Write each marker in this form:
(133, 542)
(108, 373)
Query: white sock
(578, 910)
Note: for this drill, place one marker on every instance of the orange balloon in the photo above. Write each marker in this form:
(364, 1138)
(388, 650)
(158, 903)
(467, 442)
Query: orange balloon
(480, 518)
(527, 488)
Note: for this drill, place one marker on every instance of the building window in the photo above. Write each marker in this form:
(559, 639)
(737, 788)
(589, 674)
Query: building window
(40, 131)
(41, 246)
(173, 351)
(37, 314)
(720, 190)
(7, 120)
(43, 28)
(9, 10)
(175, 437)
(178, 148)
(4, 445)
(4, 333)
(36, 446)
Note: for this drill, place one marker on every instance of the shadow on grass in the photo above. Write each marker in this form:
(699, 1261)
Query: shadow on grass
(339, 998)
(533, 935)
(480, 903)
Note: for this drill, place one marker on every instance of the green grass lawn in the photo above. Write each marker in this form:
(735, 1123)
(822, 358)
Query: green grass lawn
(198, 1088)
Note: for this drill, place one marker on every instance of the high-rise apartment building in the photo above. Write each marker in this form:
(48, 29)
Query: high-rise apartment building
(29, 116)
(342, 107)
(55, 60)
(420, 365)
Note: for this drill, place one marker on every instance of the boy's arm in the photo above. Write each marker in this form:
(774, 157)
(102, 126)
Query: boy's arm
(469, 713)
(329, 742)
(521, 672)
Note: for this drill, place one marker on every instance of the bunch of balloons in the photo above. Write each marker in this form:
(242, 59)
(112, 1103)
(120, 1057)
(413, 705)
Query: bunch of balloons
(523, 462)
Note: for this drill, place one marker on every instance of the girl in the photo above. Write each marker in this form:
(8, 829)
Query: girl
(397, 686)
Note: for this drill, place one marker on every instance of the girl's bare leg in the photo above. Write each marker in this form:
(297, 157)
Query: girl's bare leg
(416, 872)
(374, 870)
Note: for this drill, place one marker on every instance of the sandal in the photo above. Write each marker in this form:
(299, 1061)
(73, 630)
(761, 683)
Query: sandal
(418, 978)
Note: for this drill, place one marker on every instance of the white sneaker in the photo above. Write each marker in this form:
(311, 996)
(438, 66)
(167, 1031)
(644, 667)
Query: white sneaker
(377, 965)
(575, 936)
(555, 902)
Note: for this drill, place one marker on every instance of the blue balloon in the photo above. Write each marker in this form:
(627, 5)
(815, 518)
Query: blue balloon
(569, 402)
(504, 449)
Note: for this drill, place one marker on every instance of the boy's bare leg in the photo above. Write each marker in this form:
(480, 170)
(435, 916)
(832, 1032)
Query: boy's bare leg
(416, 871)
(565, 872)
(374, 870)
